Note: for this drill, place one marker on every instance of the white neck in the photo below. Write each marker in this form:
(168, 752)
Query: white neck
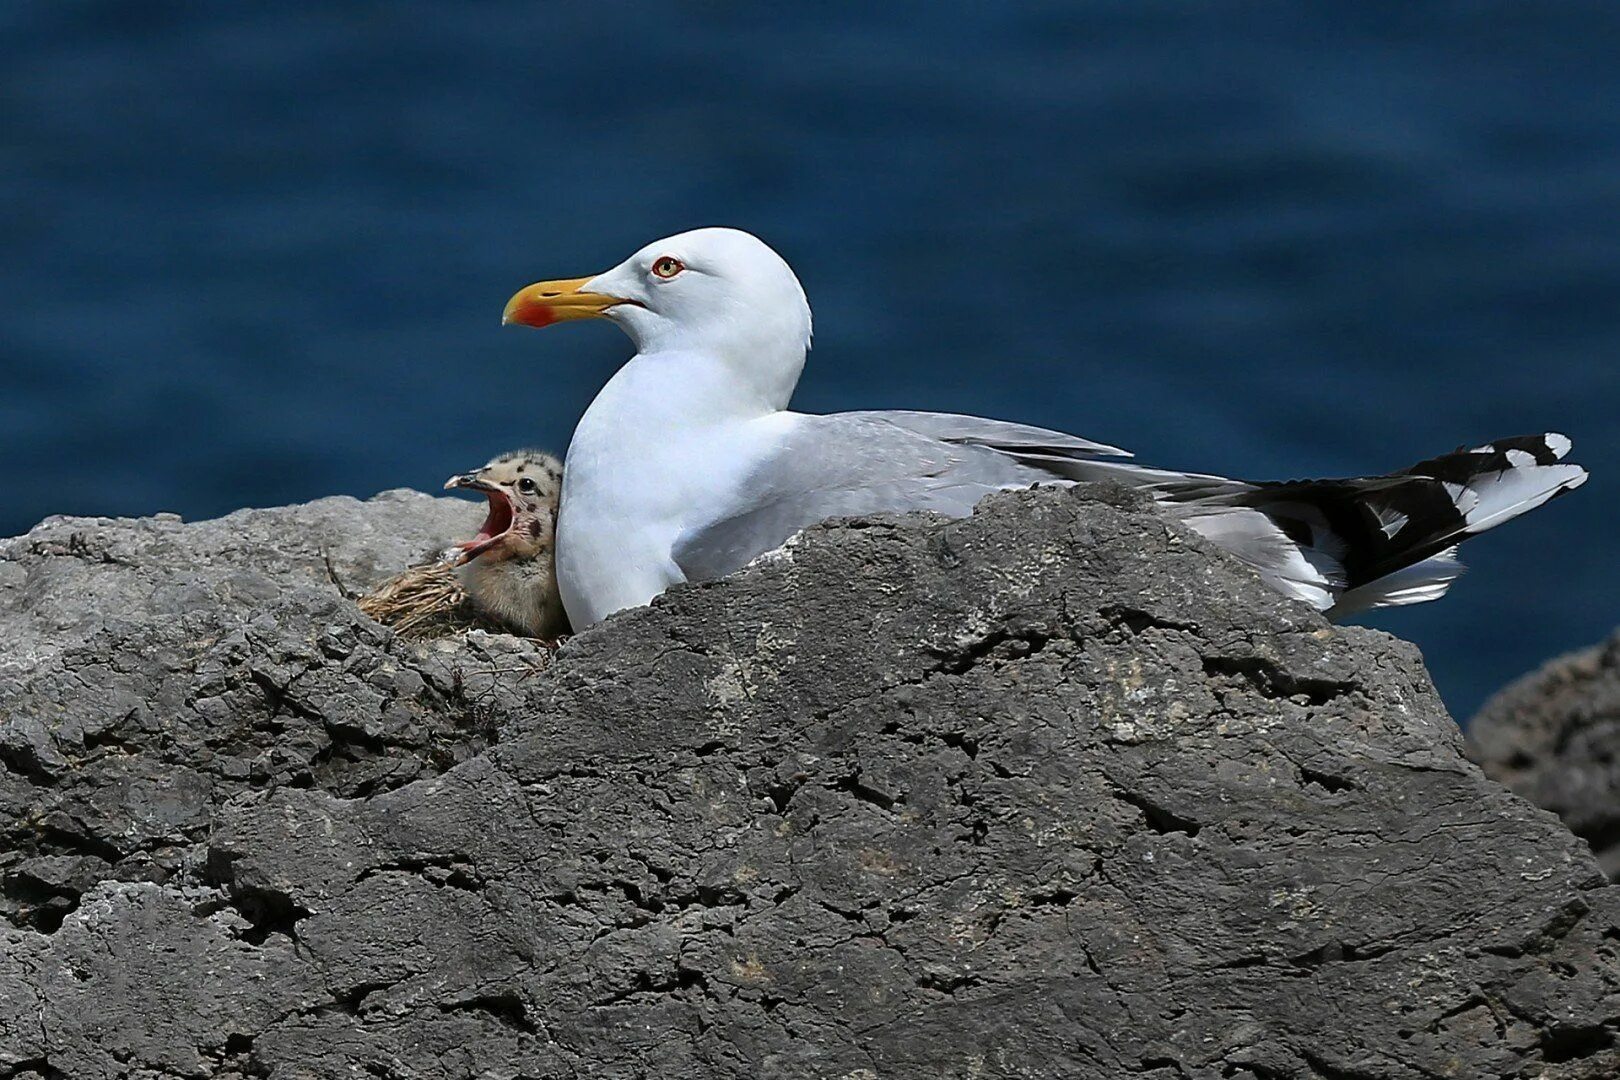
(658, 393)
(755, 358)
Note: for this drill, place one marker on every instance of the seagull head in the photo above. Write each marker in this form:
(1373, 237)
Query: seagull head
(722, 293)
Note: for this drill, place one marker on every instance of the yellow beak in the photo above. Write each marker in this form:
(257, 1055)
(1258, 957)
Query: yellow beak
(547, 302)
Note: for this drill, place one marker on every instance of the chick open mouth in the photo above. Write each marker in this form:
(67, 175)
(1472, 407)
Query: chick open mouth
(497, 523)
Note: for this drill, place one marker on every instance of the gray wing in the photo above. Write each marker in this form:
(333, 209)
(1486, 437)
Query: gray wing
(1059, 456)
(1017, 440)
(846, 464)
(849, 464)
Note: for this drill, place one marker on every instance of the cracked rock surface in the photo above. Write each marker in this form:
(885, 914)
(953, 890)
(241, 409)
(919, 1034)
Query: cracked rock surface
(1554, 737)
(1054, 791)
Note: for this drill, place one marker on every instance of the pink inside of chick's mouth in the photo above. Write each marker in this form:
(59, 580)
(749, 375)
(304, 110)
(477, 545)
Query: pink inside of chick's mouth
(496, 524)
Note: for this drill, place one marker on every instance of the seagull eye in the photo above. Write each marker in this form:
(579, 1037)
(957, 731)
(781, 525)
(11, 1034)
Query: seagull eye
(667, 267)
(526, 485)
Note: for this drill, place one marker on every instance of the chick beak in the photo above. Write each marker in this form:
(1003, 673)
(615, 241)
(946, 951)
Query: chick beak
(497, 522)
(547, 302)
(471, 481)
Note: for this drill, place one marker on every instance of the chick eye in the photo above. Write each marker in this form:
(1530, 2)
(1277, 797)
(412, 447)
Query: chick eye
(527, 486)
(667, 267)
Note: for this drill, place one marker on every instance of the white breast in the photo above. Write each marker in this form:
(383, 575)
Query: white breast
(664, 446)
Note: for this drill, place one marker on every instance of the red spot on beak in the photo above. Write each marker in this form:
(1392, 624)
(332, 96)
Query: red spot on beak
(547, 302)
(527, 310)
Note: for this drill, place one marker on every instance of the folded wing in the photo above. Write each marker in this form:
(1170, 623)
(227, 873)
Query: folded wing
(1339, 545)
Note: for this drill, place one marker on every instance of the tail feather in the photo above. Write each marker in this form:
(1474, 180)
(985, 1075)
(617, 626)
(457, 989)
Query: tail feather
(1339, 545)
(1415, 584)
(1497, 482)
(1382, 541)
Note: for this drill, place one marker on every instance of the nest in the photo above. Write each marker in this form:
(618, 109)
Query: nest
(426, 602)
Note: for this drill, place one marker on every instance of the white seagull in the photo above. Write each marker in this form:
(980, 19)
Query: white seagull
(689, 465)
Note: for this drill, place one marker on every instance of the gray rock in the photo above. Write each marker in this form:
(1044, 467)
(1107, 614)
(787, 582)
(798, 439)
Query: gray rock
(1055, 791)
(1553, 736)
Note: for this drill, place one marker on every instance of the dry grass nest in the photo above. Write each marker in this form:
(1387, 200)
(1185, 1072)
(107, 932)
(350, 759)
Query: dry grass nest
(427, 602)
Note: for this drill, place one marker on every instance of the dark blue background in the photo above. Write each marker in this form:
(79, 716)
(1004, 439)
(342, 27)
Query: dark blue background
(252, 254)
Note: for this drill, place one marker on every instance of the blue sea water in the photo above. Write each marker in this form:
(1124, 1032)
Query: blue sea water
(256, 253)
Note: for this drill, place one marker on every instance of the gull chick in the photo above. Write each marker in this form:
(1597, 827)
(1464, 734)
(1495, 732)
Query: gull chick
(504, 579)
(689, 464)
(509, 570)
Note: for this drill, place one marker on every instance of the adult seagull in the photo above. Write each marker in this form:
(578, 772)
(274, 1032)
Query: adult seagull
(688, 464)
